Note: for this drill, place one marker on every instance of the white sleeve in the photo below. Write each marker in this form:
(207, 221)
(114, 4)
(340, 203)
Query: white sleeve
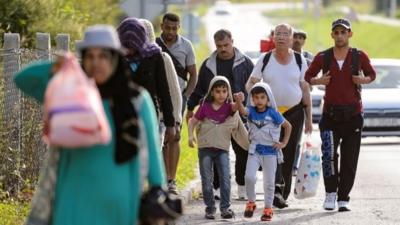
(174, 89)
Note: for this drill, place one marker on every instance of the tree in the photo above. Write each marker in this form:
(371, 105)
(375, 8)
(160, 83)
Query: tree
(55, 16)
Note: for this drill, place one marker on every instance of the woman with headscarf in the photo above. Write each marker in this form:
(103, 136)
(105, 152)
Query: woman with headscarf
(147, 65)
(100, 184)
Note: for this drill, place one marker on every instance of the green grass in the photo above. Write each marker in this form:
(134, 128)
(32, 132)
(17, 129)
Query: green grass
(376, 39)
(12, 214)
(188, 161)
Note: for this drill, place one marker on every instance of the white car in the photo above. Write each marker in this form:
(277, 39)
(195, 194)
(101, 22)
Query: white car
(381, 100)
(317, 95)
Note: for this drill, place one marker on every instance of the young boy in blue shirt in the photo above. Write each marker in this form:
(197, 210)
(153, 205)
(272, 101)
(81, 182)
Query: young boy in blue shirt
(265, 124)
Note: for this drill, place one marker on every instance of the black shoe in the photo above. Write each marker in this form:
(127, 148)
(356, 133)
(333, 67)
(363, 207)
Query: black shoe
(227, 214)
(343, 209)
(210, 213)
(280, 203)
(172, 187)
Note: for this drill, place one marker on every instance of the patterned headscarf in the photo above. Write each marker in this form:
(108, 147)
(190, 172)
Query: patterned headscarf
(133, 36)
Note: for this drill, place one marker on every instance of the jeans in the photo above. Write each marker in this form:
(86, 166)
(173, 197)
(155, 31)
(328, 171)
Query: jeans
(240, 165)
(207, 157)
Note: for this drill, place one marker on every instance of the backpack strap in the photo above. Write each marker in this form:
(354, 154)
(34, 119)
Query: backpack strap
(355, 61)
(328, 55)
(297, 55)
(266, 60)
(181, 71)
(268, 56)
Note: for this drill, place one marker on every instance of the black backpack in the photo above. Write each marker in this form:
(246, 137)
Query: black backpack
(355, 62)
(268, 56)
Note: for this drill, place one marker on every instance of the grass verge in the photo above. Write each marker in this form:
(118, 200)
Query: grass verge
(188, 161)
(13, 213)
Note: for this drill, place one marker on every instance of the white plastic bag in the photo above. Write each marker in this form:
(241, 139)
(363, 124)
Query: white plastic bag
(73, 111)
(309, 172)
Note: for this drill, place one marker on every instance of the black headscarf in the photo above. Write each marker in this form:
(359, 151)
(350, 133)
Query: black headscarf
(121, 90)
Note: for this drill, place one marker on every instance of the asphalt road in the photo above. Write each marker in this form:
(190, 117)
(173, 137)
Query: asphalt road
(375, 198)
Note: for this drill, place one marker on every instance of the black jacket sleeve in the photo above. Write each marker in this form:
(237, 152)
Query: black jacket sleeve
(204, 78)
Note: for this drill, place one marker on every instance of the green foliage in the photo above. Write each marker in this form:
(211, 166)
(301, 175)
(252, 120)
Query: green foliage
(13, 213)
(54, 16)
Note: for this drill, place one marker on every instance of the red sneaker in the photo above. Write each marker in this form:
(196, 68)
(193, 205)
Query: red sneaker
(267, 214)
(250, 207)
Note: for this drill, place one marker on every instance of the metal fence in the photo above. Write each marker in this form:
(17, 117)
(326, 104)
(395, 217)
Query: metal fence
(21, 148)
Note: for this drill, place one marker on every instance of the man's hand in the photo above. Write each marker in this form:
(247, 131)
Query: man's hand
(192, 141)
(279, 145)
(308, 126)
(57, 64)
(187, 93)
(177, 132)
(357, 79)
(325, 79)
(239, 97)
(189, 114)
(170, 134)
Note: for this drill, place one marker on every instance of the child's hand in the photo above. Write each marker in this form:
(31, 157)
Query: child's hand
(239, 97)
(192, 141)
(279, 145)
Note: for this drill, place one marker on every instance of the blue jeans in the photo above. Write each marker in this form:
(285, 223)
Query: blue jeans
(220, 158)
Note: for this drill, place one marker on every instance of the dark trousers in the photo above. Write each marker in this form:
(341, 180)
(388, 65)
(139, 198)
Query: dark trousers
(347, 135)
(240, 165)
(283, 180)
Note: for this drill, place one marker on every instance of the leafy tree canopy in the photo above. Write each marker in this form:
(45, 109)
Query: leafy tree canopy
(27, 17)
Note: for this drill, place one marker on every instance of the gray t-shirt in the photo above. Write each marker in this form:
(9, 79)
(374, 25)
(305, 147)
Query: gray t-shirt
(183, 51)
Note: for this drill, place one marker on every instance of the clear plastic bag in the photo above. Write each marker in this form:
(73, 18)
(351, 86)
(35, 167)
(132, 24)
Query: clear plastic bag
(73, 111)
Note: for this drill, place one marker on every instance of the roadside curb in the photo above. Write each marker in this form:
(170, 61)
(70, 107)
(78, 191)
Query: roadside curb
(192, 187)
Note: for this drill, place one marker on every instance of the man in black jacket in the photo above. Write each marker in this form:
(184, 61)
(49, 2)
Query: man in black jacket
(226, 61)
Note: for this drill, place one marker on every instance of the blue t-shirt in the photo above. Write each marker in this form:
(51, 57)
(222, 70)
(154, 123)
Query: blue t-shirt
(264, 129)
(260, 119)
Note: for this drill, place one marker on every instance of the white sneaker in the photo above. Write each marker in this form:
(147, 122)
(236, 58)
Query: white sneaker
(330, 201)
(241, 192)
(343, 206)
(217, 194)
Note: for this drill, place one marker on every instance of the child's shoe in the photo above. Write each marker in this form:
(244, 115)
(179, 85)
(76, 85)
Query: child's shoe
(210, 213)
(250, 207)
(227, 214)
(267, 214)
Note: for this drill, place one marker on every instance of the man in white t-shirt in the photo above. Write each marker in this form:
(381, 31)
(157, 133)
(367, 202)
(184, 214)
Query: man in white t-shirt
(284, 72)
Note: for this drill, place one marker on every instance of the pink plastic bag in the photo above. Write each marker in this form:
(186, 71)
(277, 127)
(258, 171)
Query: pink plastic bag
(73, 111)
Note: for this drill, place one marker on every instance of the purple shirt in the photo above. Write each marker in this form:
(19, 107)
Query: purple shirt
(217, 116)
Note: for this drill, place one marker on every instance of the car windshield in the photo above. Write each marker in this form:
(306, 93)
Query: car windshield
(386, 77)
